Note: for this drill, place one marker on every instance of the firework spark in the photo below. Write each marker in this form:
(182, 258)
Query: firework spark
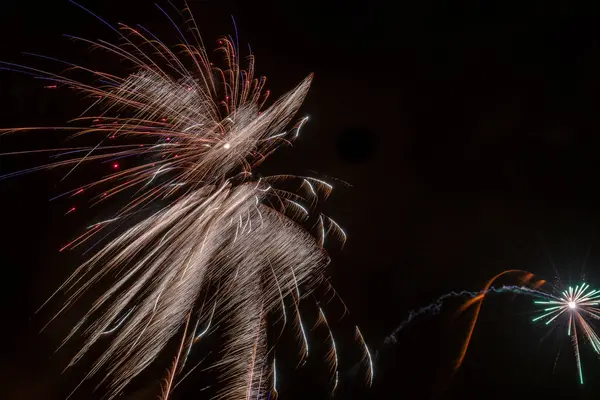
(223, 248)
(370, 368)
(332, 355)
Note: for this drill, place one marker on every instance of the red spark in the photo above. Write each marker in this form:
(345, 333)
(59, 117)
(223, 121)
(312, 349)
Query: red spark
(116, 165)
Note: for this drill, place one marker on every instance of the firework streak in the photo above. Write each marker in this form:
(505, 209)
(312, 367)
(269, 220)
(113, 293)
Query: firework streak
(223, 247)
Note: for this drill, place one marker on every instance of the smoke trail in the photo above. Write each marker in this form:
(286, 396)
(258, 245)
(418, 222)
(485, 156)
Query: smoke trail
(436, 306)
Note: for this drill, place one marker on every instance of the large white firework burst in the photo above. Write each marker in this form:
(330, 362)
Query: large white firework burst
(225, 248)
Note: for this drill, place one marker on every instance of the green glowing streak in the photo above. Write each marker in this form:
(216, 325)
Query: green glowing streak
(594, 345)
(542, 316)
(592, 295)
(583, 289)
(553, 318)
(580, 370)
(552, 308)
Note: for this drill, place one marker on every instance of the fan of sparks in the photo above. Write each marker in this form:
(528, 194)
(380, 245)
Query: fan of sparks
(223, 249)
(576, 307)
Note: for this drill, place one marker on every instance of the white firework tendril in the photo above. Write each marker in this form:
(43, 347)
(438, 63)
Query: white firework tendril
(219, 233)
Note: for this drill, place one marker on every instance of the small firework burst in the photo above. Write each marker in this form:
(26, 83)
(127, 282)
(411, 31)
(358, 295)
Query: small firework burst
(576, 307)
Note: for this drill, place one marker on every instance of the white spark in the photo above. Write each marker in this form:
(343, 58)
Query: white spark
(572, 305)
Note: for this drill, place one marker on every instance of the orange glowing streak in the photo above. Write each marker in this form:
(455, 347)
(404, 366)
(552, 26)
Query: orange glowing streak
(465, 346)
(538, 284)
(525, 280)
(470, 302)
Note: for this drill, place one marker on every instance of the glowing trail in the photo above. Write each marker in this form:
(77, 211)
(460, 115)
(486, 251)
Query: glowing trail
(478, 304)
(370, 370)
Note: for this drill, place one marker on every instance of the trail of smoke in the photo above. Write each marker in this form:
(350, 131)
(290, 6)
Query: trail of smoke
(436, 307)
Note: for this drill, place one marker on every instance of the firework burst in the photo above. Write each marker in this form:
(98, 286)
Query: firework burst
(223, 248)
(575, 307)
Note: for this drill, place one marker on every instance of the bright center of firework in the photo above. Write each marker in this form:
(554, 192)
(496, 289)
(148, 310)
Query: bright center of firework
(226, 146)
(572, 305)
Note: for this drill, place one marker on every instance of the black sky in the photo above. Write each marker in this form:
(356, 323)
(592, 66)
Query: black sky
(468, 132)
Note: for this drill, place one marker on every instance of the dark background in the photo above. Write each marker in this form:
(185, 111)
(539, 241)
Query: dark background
(468, 134)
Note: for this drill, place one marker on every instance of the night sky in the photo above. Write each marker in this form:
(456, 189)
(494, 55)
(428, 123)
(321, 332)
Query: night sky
(468, 135)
